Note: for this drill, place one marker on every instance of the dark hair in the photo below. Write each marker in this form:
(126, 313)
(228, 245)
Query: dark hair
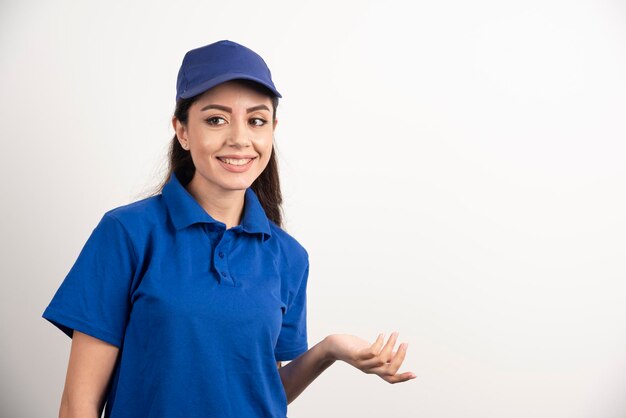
(266, 186)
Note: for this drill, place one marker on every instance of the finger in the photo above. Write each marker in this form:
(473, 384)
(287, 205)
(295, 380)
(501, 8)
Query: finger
(387, 351)
(379, 342)
(381, 364)
(397, 360)
(375, 364)
(371, 351)
(402, 377)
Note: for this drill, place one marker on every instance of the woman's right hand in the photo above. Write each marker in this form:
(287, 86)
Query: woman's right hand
(371, 358)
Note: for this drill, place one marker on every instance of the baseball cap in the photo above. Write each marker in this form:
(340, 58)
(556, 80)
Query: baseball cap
(210, 65)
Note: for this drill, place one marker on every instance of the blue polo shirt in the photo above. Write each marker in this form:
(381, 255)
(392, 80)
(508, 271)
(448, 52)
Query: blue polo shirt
(199, 312)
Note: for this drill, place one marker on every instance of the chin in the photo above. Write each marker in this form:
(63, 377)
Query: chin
(237, 186)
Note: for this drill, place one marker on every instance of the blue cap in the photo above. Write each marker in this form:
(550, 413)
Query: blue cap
(210, 65)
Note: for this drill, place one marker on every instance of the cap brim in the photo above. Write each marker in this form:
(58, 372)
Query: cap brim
(201, 88)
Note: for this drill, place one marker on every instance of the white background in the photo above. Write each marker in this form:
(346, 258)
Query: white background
(455, 169)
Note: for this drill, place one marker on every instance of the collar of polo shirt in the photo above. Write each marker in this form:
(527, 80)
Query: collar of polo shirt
(184, 209)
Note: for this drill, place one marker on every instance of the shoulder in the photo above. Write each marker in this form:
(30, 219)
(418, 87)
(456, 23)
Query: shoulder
(139, 215)
(288, 245)
(292, 261)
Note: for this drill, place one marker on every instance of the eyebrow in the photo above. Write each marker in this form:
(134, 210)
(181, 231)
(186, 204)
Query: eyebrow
(230, 110)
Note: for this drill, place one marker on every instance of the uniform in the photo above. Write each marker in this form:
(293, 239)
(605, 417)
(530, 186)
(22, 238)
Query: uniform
(201, 314)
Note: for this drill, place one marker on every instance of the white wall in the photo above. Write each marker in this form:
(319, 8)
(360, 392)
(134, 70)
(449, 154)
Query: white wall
(455, 169)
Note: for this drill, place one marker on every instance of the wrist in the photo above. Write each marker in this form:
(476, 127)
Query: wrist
(328, 352)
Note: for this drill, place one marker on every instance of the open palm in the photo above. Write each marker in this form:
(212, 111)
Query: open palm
(372, 358)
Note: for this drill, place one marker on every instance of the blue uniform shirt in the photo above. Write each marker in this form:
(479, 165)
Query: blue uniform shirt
(200, 313)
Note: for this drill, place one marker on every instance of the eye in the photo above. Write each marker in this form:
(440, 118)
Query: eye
(258, 121)
(215, 120)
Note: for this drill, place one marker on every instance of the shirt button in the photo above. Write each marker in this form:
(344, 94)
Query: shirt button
(224, 274)
(221, 254)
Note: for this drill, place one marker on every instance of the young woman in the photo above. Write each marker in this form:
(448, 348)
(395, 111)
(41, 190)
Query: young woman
(184, 304)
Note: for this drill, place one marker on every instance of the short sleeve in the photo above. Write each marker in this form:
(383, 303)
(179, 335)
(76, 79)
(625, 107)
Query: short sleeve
(94, 297)
(292, 340)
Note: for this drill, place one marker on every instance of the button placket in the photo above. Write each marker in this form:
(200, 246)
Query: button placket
(220, 261)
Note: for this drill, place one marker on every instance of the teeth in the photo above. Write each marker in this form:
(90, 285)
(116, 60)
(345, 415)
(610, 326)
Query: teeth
(236, 162)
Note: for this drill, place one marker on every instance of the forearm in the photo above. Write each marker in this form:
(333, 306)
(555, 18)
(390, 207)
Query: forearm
(73, 409)
(300, 372)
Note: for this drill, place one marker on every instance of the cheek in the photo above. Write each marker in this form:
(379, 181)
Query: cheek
(264, 145)
(265, 155)
(207, 144)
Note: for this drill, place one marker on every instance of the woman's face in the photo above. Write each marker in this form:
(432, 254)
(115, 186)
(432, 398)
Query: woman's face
(229, 133)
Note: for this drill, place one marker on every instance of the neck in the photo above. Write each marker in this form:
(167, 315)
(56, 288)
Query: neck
(225, 206)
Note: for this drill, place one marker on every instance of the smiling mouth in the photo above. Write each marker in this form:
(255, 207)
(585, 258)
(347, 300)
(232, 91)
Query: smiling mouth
(235, 161)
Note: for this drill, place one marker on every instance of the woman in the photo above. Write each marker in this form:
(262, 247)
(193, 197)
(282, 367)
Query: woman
(185, 303)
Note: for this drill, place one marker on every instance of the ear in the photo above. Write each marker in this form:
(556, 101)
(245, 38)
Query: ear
(275, 123)
(181, 132)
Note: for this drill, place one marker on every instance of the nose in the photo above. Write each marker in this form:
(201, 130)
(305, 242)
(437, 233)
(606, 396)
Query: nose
(239, 133)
